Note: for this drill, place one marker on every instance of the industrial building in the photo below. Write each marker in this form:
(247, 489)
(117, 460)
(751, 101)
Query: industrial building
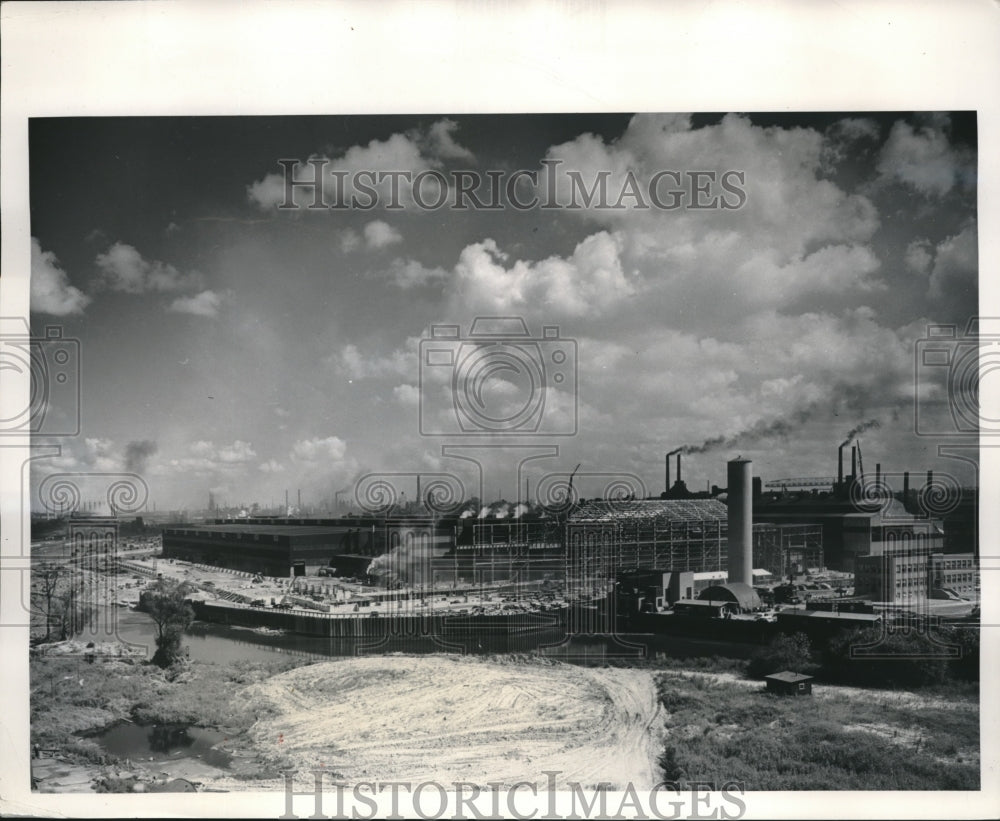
(272, 550)
(854, 523)
(911, 573)
(687, 535)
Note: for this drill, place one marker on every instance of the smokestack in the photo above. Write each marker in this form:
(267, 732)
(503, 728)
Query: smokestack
(678, 467)
(419, 500)
(740, 501)
(854, 464)
(906, 487)
(286, 502)
(878, 474)
(930, 478)
(840, 466)
(667, 460)
(300, 502)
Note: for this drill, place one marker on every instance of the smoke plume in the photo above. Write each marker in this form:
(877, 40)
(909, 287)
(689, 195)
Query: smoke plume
(871, 423)
(137, 455)
(408, 563)
(760, 430)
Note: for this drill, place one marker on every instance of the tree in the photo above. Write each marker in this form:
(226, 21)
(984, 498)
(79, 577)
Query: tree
(887, 658)
(786, 652)
(166, 603)
(56, 593)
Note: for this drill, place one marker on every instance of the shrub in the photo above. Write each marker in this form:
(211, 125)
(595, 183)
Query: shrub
(786, 652)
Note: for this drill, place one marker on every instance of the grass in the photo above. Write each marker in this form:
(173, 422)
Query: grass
(71, 698)
(719, 730)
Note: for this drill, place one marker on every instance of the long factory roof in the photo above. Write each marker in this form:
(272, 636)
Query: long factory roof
(258, 530)
(669, 509)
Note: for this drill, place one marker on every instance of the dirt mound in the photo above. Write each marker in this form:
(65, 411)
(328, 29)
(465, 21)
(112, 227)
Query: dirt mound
(447, 718)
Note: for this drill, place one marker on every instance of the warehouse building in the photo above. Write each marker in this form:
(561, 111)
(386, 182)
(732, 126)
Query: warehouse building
(689, 535)
(908, 573)
(272, 550)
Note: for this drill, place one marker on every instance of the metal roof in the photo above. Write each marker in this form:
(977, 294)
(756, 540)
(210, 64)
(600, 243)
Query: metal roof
(828, 614)
(670, 509)
(256, 530)
(743, 594)
(789, 676)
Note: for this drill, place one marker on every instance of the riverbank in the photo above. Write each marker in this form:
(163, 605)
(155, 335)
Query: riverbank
(73, 699)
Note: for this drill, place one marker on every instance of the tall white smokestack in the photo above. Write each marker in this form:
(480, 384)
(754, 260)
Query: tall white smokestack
(740, 500)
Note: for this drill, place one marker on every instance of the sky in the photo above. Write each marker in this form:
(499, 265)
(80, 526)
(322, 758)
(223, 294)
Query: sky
(233, 346)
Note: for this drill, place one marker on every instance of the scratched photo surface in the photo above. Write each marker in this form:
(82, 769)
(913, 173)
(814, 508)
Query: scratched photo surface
(475, 450)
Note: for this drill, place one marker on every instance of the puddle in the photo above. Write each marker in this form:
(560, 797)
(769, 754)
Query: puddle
(164, 742)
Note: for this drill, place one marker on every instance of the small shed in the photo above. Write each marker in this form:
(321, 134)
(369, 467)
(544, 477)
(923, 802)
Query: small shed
(787, 683)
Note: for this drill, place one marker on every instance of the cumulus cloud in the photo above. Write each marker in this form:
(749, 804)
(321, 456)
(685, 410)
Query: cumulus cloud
(379, 234)
(330, 448)
(355, 364)
(441, 143)
(271, 466)
(51, 292)
(408, 395)
(123, 268)
(590, 280)
(786, 199)
(919, 256)
(350, 240)
(407, 274)
(416, 151)
(954, 279)
(208, 458)
(924, 159)
(206, 303)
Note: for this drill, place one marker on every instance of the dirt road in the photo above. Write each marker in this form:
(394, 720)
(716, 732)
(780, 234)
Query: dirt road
(448, 718)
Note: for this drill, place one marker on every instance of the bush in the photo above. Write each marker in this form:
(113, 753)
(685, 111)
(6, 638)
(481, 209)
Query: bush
(893, 659)
(786, 652)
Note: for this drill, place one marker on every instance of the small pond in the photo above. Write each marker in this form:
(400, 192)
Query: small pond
(163, 742)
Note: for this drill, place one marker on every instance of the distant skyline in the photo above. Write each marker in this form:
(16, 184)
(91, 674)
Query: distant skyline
(233, 347)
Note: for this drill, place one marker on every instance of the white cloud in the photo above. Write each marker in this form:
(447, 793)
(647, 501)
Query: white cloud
(51, 292)
(407, 274)
(208, 458)
(442, 144)
(413, 152)
(786, 200)
(587, 282)
(237, 452)
(207, 303)
(123, 268)
(357, 365)
(956, 265)
(918, 256)
(331, 448)
(271, 466)
(408, 395)
(379, 234)
(349, 240)
(924, 159)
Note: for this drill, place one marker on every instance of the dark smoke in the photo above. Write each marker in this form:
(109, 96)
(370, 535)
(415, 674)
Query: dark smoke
(137, 455)
(871, 423)
(756, 432)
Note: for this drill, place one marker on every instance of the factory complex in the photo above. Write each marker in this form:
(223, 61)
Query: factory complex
(729, 552)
